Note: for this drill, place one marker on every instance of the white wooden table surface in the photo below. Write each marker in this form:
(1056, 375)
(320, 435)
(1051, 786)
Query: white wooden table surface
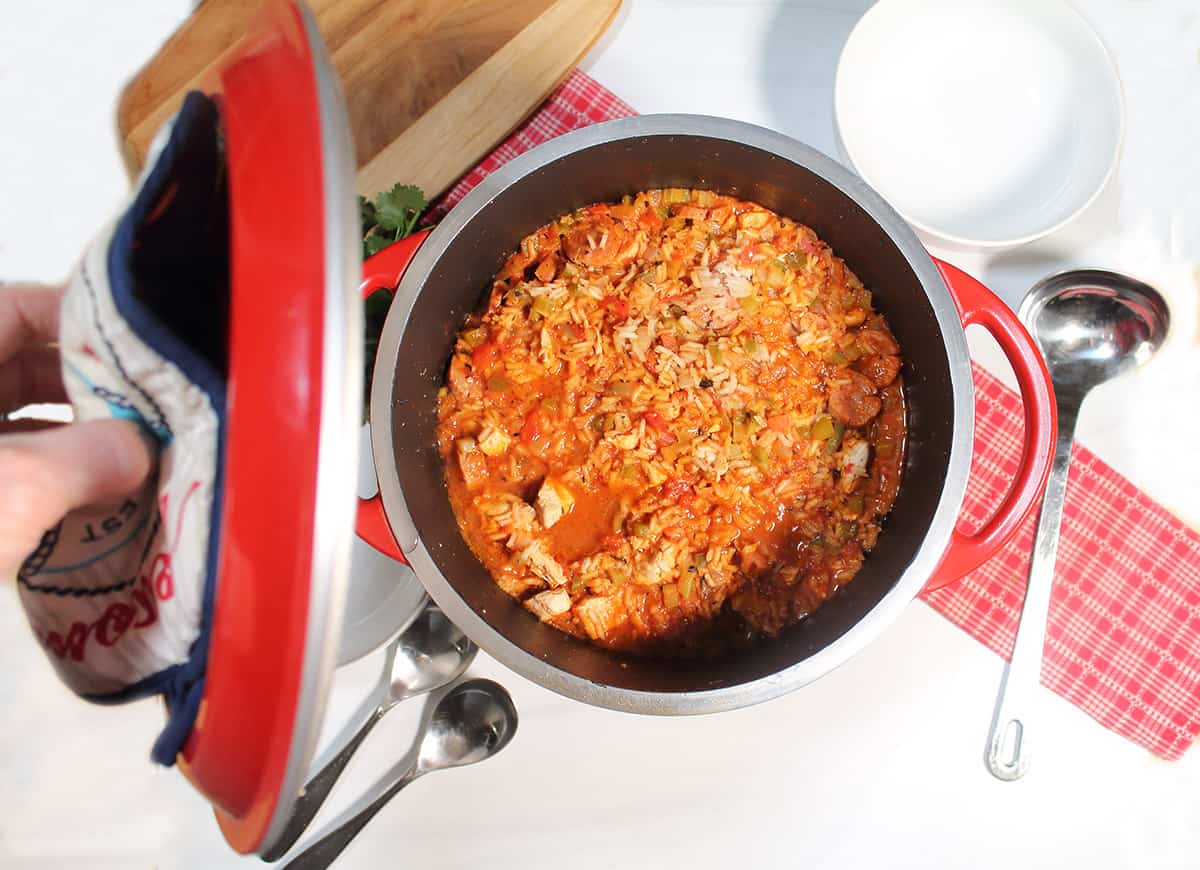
(877, 765)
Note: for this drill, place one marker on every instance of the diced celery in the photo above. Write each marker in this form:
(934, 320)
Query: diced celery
(835, 441)
(545, 306)
(761, 457)
(822, 428)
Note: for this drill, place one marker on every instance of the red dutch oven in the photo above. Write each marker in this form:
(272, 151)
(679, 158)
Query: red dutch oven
(295, 386)
(440, 278)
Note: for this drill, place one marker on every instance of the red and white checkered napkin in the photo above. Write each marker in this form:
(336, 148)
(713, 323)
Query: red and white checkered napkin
(1123, 642)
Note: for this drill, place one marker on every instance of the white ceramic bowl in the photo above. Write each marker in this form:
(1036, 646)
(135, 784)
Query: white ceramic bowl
(985, 123)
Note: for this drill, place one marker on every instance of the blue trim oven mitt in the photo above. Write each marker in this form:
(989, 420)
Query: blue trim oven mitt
(120, 595)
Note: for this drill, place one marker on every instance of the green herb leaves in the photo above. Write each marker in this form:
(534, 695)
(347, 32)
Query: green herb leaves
(392, 216)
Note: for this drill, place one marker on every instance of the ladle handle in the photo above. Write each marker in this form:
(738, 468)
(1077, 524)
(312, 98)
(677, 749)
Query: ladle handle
(383, 271)
(1007, 749)
(326, 850)
(979, 306)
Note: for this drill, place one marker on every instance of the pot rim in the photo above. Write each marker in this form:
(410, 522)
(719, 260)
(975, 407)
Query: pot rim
(887, 610)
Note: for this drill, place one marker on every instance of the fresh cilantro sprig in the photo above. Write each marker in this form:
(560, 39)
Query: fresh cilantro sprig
(391, 217)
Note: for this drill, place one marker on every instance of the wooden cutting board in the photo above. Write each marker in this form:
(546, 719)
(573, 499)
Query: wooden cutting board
(431, 85)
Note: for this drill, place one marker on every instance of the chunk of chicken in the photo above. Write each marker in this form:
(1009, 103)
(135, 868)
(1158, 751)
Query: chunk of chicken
(852, 462)
(540, 246)
(554, 501)
(656, 569)
(597, 614)
(495, 441)
(543, 565)
(549, 604)
(597, 243)
(471, 462)
(716, 304)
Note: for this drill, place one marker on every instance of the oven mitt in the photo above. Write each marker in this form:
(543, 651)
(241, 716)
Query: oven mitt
(120, 595)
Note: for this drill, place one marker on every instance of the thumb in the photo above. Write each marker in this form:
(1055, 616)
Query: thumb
(45, 475)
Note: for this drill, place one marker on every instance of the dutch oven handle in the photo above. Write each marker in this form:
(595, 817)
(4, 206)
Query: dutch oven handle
(383, 272)
(979, 305)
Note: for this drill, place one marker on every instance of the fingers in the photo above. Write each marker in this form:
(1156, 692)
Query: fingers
(33, 375)
(44, 475)
(29, 424)
(28, 316)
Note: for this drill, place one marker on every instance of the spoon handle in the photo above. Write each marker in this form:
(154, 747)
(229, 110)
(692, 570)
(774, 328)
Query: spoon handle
(317, 789)
(325, 851)
(1007, 750)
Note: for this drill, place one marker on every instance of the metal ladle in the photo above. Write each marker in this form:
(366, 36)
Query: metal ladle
(470, 723)
(429, 654)
(1091, 327)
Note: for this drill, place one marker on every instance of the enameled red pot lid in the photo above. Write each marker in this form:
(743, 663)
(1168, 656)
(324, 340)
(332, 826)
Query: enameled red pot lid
(294, 409)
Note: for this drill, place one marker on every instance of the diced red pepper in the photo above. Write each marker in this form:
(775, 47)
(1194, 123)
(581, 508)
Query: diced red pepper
(616, 307)
(532, 430)
(656, 421)
(659, 424)
(649, 218)
(780, 423)
(676, 488)
(597, 208)
(747, 254)
(486, 355)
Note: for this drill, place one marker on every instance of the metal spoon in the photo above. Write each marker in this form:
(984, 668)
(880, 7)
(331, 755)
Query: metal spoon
(1091, 326)
(429, 654)
(470, 723)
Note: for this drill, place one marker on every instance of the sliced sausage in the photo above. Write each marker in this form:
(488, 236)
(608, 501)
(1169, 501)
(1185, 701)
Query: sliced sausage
(880, 368)
(463, 383)
(877, 341)
(852, 399)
